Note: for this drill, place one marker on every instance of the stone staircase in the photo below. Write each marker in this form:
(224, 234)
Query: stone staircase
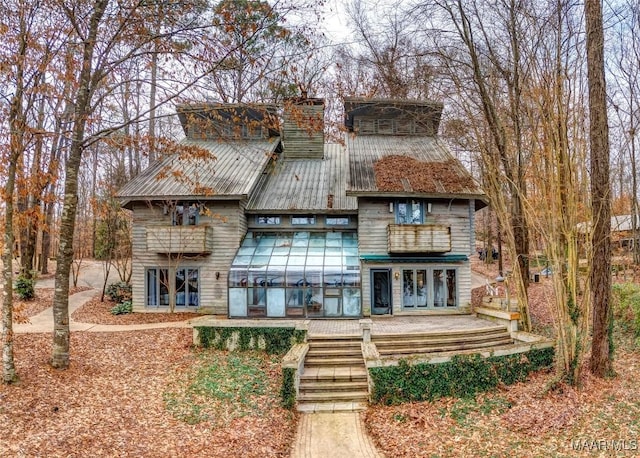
(335, 376)
(441, 341)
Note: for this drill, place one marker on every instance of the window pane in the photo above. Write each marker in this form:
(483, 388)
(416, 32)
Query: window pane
(178, 214)
(181, 285)
(402, 213)
(237, 302)
(152, 287)
(351, 301)
(275, 276)
(408, 293)
(192, 214)
(452, 296)
(295, 277)
(421, 288)
(193, 287)
(164, 287)
(237, 277)
(275, 302)
(416, 213)
(439, 293)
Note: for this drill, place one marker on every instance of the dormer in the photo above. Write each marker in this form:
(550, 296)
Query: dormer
(228, 122)
(391, 117)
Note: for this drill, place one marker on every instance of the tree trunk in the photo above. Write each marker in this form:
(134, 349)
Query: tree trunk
(600, 362)
(61, 331)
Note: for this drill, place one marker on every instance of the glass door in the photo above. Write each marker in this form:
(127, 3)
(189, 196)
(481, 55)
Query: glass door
(381, 291)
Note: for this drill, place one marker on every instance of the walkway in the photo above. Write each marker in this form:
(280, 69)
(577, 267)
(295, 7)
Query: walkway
(336, 435)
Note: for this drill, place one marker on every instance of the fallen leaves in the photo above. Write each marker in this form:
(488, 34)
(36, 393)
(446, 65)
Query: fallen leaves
(110, 403)
(97, 312)
(407, 174)
(540, 417)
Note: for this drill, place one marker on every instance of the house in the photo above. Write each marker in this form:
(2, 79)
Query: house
(258, 216)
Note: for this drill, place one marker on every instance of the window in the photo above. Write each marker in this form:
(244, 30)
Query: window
(409, 212)
(312, 274)
(303, 220)
(268, 220)
(185, 283)
(186, 214)
(157, 284)
(434, 287)
(337, 221)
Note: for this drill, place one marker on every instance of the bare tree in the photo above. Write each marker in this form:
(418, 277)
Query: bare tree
(601, 356)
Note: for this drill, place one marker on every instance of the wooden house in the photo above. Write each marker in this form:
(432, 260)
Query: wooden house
(257, 216)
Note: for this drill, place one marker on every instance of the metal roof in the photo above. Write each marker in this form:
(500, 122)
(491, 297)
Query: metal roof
(306, 184)
(367, 150)
(231, 169)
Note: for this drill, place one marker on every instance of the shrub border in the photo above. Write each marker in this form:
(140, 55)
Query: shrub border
(463, 376)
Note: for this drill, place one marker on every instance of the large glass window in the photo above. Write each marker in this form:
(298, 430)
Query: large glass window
(434, 287)
(298, 274)
(409, 212)
(159, 283)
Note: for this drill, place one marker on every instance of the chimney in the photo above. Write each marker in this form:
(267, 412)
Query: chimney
(303, 130)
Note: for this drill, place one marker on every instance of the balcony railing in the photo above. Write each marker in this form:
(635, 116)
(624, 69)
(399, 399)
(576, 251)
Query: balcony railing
(419, 238)
(180, 239)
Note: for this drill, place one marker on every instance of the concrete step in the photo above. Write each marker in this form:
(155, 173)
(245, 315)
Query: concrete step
(339, 396)
(311, 386)
(322, 344)
(324, 374)
(317, 407)
(399, 349)
(311, 361)
(334, 337)
(443, 333)
(436, 340)
(335, 351)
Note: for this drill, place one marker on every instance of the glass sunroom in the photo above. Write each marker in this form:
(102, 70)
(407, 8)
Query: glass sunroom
(296, 274)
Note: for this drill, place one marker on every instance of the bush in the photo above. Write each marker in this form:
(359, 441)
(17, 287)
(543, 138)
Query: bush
(626, 306)
(122, 308)
(119, 292)
(25, 287)
(462, 377)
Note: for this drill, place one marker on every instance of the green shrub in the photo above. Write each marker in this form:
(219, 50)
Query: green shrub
(276, 341)
(288, 388)
(119, 292)
(626, 306)
(122, 308)
(25, 287)
(462, 377)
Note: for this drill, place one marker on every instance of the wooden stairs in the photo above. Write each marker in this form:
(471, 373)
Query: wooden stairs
(441, 341)
(335, 376)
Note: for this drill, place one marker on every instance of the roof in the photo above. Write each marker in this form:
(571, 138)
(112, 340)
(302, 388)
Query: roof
(619, 223)
(230, 170)
(407, 165)
(306, 184)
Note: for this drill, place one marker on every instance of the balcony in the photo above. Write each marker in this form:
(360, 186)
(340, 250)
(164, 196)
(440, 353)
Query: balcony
(180, 239)
(418, 238)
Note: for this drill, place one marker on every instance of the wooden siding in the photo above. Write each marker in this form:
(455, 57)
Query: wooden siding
(180, 239)
(303, 131)
(374, 217)
(419, 238)
(228, 223)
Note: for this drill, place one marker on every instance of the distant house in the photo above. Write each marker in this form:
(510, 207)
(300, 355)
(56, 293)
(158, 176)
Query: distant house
(265, 219)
